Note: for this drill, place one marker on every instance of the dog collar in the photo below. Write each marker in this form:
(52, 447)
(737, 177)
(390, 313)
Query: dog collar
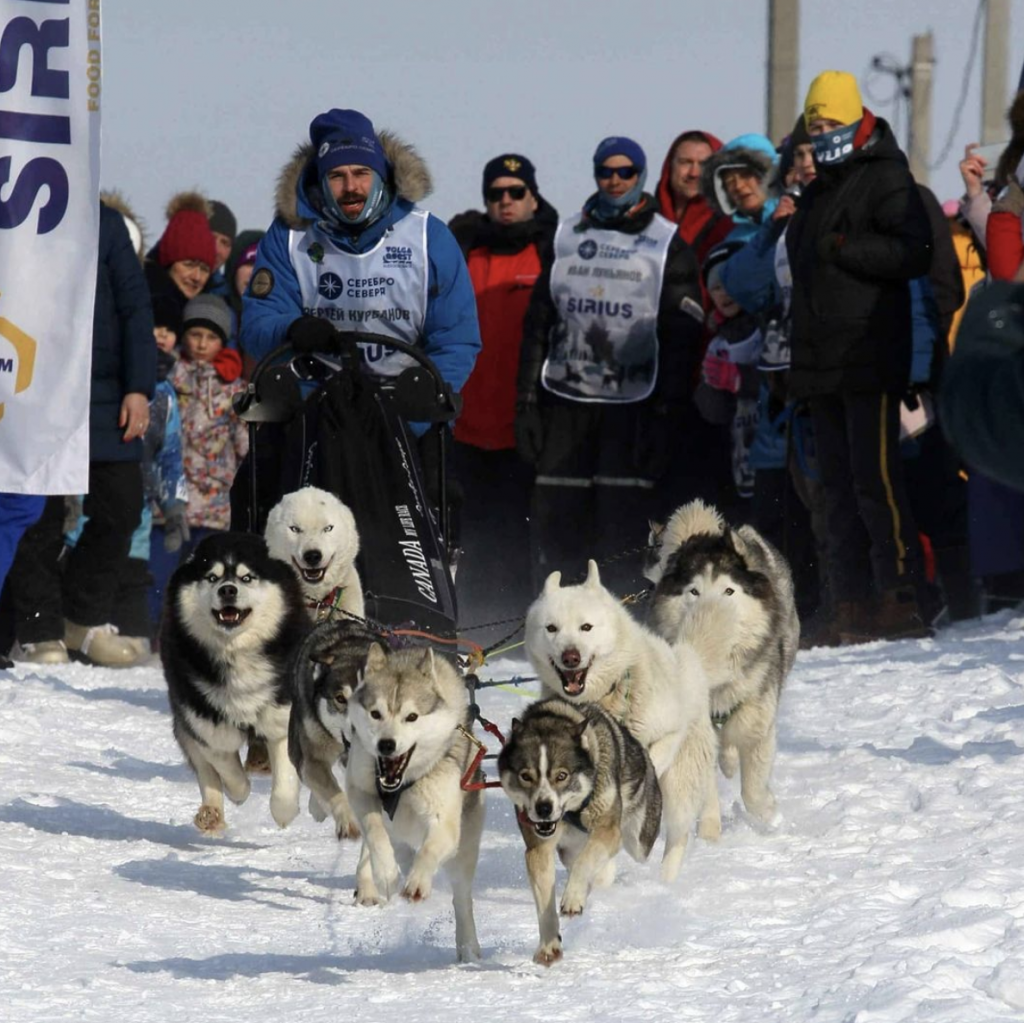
(328, 605)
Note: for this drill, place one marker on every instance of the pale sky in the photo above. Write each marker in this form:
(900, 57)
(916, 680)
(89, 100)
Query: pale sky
(216, 94)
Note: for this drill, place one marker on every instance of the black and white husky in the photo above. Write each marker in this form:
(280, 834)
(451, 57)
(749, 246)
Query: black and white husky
(233, 620)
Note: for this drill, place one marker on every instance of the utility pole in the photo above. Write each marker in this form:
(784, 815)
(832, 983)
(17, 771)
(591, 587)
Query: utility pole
(783, 67)
(922, 59)
(994, 100)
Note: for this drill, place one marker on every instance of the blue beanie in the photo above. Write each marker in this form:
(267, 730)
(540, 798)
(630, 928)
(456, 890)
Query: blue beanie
(346, 137)
(619, 145)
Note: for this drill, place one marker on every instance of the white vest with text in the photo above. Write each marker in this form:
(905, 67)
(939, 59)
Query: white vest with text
(606, 286)
(383, 291)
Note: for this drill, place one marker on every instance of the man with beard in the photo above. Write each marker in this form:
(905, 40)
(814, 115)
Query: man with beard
(611, 344)
(506, 248)
(859, 235)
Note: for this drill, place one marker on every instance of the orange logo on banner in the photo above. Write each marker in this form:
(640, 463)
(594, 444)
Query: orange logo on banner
(25, 348)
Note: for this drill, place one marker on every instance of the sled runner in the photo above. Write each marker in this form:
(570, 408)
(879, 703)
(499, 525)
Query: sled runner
(351, 436)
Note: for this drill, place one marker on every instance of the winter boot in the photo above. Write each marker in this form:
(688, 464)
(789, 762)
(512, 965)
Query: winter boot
(961, 589)
(899, 616)
(46, 651)
(99, 644)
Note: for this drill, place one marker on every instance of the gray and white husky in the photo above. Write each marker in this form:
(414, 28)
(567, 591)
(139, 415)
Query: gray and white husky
(587, 648)
(327, 668)
(729, 593)
(411, 747)
(581, 785)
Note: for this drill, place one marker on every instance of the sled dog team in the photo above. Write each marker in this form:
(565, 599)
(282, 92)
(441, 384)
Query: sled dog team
(625, 738)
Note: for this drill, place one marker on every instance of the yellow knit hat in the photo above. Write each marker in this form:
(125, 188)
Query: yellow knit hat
(834, 96)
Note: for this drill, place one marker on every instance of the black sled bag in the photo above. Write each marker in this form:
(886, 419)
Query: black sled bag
(349, 439)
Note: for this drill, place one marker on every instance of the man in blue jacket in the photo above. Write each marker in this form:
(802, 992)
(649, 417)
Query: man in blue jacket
(349, 250)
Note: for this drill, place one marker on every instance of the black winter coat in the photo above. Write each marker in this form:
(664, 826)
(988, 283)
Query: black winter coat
(123, 347)
(680, 334)
(851, 325)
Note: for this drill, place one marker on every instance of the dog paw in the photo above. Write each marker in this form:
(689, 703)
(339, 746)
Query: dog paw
(316, 811)
(549, 953)
(257, 759)
(347, 827)
(572, 903)
(761, 807)
(418, 887)
(368, 896)
(238, 794)
(710, 828)
(284, 809)
(468, 953)
(729, 760)
(209, 820)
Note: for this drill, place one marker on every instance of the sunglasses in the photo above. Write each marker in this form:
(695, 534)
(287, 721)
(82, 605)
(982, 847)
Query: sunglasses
(516, 192)
(626, 173)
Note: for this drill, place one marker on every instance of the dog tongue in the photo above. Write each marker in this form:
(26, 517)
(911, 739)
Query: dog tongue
(573, 682)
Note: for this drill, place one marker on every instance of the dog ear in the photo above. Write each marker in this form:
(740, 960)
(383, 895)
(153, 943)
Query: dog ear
(738, 544)
(517, 726)
(656, 529)
(593, 575)
(376, 658)
(553, 582)
(581, 732)
(426, 664)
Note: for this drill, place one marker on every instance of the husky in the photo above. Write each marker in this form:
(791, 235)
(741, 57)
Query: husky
(233, 620)
(587, 648)
(729, 593)
(316, 534)
(664, 540)
(326, 672)
(583, 785)
(411, 747)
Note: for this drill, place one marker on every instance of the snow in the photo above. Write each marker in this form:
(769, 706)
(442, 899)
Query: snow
(889, 888)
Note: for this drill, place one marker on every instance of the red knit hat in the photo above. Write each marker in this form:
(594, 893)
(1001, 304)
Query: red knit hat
(188, 234)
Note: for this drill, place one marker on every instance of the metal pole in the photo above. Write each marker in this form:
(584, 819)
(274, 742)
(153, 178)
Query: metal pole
(994, 99)
(919, 144)
(783, 67)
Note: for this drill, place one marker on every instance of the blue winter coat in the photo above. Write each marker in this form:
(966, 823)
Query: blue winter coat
(451, 334)
(123, 348)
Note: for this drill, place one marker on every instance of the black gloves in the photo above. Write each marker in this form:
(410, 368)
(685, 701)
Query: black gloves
(529, 429)
(309, 334)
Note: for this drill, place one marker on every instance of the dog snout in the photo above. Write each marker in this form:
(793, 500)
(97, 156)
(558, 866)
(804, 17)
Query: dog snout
(386, 747)
(544, 808)
(312, 557)
(227, 592)
(570, 658)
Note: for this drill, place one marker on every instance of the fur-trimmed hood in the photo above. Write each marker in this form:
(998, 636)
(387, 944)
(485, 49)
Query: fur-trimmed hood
(297, 198)
(750, 152)
(116, 201)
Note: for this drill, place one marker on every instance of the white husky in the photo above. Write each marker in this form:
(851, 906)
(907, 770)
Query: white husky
(316, 534)
(586, 647)
(411, 748)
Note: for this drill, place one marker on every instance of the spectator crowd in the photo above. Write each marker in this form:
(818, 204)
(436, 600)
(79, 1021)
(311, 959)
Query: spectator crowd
(766, 325)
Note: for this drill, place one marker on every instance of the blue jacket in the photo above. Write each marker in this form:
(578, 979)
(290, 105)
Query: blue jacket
(123, 348)
(751, 152)
(451, 334)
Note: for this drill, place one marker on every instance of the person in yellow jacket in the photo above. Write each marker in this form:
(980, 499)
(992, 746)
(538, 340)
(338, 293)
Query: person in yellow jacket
(969, 254)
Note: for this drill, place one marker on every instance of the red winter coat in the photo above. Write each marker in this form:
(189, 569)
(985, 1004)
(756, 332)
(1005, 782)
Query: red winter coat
(1004, 245)
(502, 284)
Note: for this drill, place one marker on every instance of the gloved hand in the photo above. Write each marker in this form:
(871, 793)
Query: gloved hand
(829, 246)
(310, 334)
(721, 374)
(176, 531)
(529, 427)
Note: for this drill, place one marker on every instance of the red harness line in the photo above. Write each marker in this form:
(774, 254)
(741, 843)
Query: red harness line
(468, 785)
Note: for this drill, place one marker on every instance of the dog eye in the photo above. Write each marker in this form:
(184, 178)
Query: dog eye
(375, 714)
(526, 777)
(694, 591)
(552, 628)
(340, 697)
(247, 578)
(211, 578)
(729, 591)
(411, 717)
(295, 529)
(586, 627)
(562, 776)
(327, 529)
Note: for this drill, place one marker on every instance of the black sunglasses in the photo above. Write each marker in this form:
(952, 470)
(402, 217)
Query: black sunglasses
(516, 192)
(626, 173)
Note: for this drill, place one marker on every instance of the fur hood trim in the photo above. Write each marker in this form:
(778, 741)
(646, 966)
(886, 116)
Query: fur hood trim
(409, 175)
(756, 160)
(194, 201)
(116, 201)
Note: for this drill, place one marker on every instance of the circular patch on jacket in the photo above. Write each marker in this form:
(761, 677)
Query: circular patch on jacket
(262, 283)
(316, 252)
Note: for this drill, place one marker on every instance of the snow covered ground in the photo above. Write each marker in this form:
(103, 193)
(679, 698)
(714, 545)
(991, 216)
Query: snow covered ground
(890, 888)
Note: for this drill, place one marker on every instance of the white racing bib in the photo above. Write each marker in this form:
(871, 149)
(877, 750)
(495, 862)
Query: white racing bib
(606, 286)
(383, 291)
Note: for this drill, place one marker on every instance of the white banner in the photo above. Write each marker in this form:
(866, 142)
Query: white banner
(49, 224)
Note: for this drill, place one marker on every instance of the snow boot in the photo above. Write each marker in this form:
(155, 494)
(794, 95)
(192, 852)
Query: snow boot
(960, 588)
(46, 651)
(99, 644)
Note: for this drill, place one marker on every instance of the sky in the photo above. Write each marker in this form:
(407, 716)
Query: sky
(217, 94)
(886, 890)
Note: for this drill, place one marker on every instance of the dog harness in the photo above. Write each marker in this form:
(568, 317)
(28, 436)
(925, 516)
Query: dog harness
(325, 608)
